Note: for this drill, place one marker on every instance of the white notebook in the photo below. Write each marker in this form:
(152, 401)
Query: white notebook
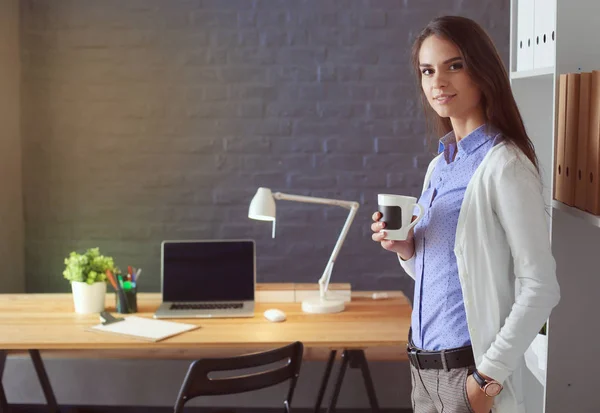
(145, 328)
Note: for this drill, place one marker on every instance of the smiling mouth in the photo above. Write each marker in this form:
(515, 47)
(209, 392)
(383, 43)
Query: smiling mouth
(443, 99)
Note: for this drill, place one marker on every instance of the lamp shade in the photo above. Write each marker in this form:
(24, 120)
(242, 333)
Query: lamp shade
(262, 206)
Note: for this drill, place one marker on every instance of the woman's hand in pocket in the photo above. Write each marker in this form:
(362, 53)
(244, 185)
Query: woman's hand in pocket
(480, 403)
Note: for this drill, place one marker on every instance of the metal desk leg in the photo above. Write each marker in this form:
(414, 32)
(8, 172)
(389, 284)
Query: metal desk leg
(44, 381)
(325, 380)
(357, 359)
(3, 401)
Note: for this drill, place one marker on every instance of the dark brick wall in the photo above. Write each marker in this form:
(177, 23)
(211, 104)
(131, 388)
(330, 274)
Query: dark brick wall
(149, 120)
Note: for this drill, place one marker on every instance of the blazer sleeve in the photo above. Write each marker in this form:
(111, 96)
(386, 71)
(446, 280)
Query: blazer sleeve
(517, 200)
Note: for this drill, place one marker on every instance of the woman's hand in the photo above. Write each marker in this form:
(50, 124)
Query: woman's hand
(405, 249)
(480, 403)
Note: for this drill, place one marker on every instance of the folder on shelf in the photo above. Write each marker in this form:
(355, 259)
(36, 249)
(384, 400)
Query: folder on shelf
(525, 35)
(544, 41)
(582, 140)
(571, 137)
(593, 160)
(559, 164)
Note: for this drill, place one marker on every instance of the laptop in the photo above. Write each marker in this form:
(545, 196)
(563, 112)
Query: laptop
(207, 278)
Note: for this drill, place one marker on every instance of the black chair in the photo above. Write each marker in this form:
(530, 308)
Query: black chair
(198, 383)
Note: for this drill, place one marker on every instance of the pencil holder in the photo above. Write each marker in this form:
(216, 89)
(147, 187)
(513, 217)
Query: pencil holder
(126, 300)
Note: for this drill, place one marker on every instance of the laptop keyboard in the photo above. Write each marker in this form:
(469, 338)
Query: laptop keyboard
(206, 306)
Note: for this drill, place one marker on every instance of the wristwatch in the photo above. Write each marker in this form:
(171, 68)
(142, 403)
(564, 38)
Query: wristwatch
(491, 388)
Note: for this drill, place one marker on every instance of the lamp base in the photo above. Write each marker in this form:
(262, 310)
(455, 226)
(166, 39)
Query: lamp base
(323, 305)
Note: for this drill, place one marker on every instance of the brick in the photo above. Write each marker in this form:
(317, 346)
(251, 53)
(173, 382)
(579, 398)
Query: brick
(292, 110)
(310, 128)
(304, 144)
(264, 93)
(277, 162)
(252, 127)
(341, 110)
(391, 111)
(355, 56)
(273, 37)
(206, 57)
(409, 179)
(278, 74)
(400, 145)
(276, 18)
(311, 182)
(345, 145)
(254, 56)
(388, 163)
(247, 144)
(205, 19)
(269, 179)
(339, 162)
(382, 73)
(301, 56)
(362, 180)
(242, 74)
(333, 36)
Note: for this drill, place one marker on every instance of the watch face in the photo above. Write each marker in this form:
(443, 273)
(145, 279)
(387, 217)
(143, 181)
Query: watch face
(493, 389)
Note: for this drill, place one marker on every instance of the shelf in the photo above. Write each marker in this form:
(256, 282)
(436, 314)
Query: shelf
(535, 73)
(586, 216)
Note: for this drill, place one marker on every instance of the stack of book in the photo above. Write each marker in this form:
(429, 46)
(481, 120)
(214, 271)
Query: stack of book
(577, 157)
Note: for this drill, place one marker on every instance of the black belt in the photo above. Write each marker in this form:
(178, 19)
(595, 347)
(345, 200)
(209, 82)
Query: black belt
(446, 359)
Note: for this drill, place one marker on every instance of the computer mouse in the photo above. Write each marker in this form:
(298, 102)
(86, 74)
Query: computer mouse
(274, 315)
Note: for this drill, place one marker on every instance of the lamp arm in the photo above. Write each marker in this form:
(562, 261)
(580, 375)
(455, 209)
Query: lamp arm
(324, 280)
(315, 200)
(351, 205)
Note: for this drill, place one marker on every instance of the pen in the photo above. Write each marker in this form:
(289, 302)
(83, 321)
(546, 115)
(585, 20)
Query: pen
(111, 278)
(137, 274)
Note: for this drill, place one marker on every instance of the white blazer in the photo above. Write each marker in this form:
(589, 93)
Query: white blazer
(505, 264)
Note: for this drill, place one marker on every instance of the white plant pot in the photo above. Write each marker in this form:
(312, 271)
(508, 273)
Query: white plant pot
(88, 298)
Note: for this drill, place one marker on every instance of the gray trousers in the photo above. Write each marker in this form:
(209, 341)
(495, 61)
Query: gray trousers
(439, 391)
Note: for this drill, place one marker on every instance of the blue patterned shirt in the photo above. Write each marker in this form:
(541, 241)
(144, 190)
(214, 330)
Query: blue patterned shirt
(438, 320)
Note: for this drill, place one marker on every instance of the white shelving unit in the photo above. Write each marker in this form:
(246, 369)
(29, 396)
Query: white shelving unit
(568, 384)
(525, 74)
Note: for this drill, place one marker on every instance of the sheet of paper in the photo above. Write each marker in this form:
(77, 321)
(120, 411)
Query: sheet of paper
(145, 328)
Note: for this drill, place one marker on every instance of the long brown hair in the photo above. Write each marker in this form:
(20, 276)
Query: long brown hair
(484, 65)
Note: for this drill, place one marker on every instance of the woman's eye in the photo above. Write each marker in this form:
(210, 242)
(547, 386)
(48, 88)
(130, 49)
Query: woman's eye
(456, 66)
(426, 71)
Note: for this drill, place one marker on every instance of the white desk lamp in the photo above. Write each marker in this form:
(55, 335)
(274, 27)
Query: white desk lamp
(262, 208)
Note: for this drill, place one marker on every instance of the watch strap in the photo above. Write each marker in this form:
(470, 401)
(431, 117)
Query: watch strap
(480, 380)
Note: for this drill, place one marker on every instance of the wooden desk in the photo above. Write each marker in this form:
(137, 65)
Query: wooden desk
(48, 323)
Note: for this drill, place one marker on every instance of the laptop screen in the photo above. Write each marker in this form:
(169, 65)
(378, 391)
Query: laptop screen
(208, 270)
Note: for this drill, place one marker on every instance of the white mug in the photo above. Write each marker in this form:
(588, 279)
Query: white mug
(397, 213)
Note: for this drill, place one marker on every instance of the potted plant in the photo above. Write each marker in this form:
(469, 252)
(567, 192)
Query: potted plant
(87, 274)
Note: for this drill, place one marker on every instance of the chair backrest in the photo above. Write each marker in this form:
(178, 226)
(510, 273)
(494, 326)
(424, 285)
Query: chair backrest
(198, 383)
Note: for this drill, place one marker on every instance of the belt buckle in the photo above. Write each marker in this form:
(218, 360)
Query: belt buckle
(413, 356)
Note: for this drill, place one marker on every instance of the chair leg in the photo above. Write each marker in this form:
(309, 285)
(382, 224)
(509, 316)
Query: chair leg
(3, 401)
(44, 381)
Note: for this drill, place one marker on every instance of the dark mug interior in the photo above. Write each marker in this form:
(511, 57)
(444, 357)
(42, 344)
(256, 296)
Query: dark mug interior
(392, 216)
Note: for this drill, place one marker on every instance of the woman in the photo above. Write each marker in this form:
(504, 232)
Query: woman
(485, 279)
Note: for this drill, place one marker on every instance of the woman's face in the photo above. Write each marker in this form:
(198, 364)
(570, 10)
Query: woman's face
(448, 87)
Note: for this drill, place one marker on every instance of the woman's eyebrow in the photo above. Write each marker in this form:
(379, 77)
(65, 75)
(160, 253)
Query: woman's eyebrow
(453, 59)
